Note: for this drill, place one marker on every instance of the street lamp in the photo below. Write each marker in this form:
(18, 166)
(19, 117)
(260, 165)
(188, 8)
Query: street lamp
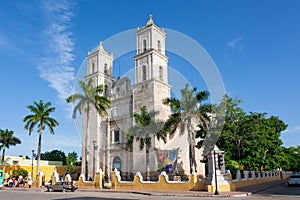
(216, 177)
(33, 155)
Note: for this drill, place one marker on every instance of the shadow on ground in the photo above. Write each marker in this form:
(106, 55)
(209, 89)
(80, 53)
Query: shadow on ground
(92, 198)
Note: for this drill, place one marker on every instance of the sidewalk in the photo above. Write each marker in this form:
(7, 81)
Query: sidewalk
(173, 193)
(41, 189)
(245, 191)
(148, 193)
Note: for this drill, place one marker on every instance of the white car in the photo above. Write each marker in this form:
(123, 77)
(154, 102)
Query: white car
(294, 179)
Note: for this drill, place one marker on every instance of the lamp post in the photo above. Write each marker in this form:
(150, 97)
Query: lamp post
(216, 179)
(33, 155)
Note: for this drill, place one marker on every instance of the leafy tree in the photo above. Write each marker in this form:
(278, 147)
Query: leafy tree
(40, 117)
(7, 139)
(183, 113)
(71, 161)
(291, 161)
(92, 96)
(19, 172)
(146, 127)
(54, 155)
(251, 140)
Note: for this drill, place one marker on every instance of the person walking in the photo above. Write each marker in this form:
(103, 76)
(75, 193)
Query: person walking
(14, 182)
(29, 181)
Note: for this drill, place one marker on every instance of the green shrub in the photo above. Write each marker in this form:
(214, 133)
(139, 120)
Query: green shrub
(19, 172)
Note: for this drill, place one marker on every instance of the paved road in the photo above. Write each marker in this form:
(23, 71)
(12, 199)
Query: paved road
(280, 190)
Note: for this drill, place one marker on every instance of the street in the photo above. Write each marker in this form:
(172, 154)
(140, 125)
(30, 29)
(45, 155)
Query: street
(279, 191)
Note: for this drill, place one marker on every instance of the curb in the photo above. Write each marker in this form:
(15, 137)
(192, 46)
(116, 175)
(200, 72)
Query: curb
(170, 193)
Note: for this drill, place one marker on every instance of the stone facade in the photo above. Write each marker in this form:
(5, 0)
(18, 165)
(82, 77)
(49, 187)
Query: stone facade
(105, 139)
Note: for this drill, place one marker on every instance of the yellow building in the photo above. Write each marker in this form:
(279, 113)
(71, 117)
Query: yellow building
(46, 167)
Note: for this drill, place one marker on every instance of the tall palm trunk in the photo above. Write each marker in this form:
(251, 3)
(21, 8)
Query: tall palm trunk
(3, 154)
(39, 154)
(191, 139)
(148, 141)
(86, 170)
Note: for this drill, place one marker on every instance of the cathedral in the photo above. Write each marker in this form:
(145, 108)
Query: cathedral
(105, 142)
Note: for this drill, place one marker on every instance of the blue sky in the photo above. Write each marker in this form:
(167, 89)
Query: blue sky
(255, 45)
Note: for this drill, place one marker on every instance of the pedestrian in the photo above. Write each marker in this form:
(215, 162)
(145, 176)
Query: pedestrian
(68, 178)
(29, 181)
(14, 182)
(10, 182)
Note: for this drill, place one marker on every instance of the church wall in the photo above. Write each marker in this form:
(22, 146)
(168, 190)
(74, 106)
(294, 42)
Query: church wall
(147, 91)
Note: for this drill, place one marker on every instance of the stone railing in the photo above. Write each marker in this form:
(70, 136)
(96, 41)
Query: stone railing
(163, 183)
(255, 177)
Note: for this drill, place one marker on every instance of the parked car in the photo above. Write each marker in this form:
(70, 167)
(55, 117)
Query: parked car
(294, 179)
(1, 178)
(61, 186)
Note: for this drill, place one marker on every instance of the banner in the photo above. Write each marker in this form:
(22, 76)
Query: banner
(166, 159)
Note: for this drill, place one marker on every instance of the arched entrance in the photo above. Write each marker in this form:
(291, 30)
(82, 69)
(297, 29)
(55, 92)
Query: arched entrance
(117, 163)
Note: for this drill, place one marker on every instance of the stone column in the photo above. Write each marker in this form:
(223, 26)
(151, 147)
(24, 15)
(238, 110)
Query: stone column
(216, 169)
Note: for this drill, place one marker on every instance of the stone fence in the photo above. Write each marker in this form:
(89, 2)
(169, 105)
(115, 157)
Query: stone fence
(163, 183)
(97, 183)
(247, 178)
(193, 184)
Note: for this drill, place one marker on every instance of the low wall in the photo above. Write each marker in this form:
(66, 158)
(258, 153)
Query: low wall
(46, 170)
(256, 177)
(95, 184)
(194, 184)
(46, 173)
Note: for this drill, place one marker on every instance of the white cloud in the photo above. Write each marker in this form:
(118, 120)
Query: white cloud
(292, 129)
(6, 43)
(56, 66)
(233, 43)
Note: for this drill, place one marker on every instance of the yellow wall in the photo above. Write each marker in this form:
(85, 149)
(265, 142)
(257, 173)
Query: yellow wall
(96, 184)
(193, 184)
(47, 170)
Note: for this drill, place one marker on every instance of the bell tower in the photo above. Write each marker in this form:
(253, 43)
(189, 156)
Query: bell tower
(151, 70)
(151, 83)
(99, 70)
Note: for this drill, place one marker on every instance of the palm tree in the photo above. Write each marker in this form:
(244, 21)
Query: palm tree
(91, 97)
(40, 116)
(7, 139)
(146, 127)
(184, 111)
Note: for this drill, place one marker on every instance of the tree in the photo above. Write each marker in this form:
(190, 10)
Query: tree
(230, 140)
(146, 126)
(291, 161)
(184, 111)
(71, 161)
(251, 140)
(7, 139)
(54, 155)
(92, 96)
(40, 117)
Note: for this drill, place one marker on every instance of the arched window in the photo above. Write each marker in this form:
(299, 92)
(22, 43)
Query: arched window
(105, 90)
(161, 75)
(105, 69)
(144, 45)
(158, 46)
(93, 67)
(117, 163)
(144, 74)
(116, 136)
